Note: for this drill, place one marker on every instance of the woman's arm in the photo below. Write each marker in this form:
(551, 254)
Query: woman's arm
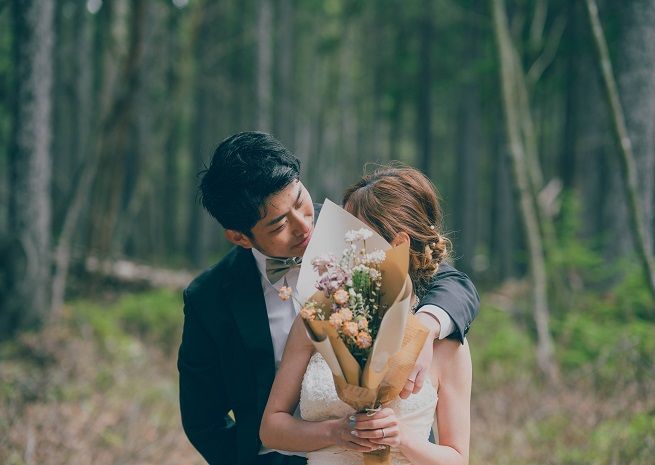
(279, 428)
(452, 367)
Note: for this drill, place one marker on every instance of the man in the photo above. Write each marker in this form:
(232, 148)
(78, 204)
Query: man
(235, 325)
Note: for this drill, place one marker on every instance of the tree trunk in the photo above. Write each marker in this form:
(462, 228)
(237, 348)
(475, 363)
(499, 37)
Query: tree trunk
(284, 121)
(113, 137)
(27, 301)
(468, 150)
(626, 156)
(264, 64)
(637, 87)
(424, 96)
(511, 106)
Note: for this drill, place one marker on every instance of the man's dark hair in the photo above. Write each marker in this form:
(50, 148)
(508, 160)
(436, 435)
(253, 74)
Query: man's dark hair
(244, 171)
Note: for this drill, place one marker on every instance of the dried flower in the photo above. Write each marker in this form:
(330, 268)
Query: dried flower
(341, 296)
(346, 314)
(364, 340)
(285, 293)
(331, 281)
(376, 257)
(308, 312)
(336, 320)
(350, 328)
(359, 235)
(323, 262)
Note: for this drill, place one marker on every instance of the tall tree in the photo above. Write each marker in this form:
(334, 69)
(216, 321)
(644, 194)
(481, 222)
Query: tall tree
(264, 64)
(27, 301)
(424, 95)
(626, 154)
(511, 91)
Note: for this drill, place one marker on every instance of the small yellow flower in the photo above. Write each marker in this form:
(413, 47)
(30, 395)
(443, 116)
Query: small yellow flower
(285, 293)
(364, 340)
(336, 320)
(350, 328)
(308, 312)
(346, 314)
(341, 296)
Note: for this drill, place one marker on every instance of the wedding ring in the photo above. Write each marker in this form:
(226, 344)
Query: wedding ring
(383, 432)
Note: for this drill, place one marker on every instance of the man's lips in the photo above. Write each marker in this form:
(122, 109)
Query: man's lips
(305, 241)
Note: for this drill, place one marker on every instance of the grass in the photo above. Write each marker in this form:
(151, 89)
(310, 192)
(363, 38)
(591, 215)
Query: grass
(100, 386)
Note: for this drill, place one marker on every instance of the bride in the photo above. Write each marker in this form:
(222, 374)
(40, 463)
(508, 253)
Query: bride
(400, 203)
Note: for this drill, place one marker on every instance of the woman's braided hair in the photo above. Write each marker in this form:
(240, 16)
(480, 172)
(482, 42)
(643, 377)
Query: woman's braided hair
(398, 198)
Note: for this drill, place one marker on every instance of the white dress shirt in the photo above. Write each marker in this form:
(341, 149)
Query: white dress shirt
(446, 322)
(281, 313)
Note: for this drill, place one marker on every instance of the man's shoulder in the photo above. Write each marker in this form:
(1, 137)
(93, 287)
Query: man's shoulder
(216, 276)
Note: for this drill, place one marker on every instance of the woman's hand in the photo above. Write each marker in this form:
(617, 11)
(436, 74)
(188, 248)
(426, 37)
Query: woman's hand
(383, 428)
(341, 433)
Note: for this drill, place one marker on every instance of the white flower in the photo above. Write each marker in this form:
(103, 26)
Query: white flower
(360, 235)
(376, 257)
(365, 233)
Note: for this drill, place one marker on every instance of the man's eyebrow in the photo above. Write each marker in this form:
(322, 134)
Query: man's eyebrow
(277, 219)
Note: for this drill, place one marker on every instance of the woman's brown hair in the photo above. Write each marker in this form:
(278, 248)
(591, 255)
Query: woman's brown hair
(394, 199)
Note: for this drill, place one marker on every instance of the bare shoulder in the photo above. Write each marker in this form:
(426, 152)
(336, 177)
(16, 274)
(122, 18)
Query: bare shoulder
(451, 361)
(298, 337)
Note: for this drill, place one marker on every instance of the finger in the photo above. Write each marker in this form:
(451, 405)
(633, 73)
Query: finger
(380, 423)
(407, 389)
(380, 433)
(348, 437)
(359, 448)
(382, 413)
(418, 381)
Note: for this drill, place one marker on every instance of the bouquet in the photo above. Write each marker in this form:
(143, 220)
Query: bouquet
(356, 309)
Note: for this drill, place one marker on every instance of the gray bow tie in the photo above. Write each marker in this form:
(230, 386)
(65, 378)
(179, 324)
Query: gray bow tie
(277, 268)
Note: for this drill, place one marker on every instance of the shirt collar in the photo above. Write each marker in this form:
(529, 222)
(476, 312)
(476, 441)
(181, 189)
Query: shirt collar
(260, 261)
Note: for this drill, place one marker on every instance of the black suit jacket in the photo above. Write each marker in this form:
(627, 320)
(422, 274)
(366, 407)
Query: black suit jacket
(226, 359)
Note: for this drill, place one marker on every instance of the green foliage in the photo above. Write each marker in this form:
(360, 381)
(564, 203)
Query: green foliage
(626, 441)
(500, 349)
(155, 316)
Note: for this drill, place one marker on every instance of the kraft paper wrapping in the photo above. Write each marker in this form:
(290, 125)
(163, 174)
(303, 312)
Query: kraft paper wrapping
(400, 337)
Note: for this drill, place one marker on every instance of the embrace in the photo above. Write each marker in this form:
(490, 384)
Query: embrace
(253, 389)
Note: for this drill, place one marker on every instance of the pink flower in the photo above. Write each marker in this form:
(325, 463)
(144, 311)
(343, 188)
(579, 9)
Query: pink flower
(331, 281)
(336, 320)
(285, 293)
(346, 314)
(341, 296)
(362, 323)
(350, 328)
(364, 340)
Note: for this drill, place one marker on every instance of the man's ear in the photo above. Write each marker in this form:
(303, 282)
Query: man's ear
(238, 238)
(400, 238)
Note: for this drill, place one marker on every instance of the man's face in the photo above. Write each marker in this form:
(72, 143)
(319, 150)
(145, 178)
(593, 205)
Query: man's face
(287, 227)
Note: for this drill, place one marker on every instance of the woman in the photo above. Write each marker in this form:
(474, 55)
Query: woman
(401, 204)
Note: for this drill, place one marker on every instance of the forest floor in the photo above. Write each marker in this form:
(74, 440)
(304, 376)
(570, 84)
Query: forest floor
(99, 387)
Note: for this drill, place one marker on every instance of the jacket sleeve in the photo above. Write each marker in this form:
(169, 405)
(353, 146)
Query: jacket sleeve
(454, 292)
(204, 403)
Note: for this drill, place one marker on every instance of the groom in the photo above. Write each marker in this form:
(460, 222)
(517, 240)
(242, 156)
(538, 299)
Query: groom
(235, 325)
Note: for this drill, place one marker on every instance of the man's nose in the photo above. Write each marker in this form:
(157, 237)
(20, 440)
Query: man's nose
(300, 225)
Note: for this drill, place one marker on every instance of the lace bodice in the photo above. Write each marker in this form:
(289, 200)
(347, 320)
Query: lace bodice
(319, 401)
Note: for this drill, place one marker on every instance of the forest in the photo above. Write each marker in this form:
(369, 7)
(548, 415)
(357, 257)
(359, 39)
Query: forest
(535, 119)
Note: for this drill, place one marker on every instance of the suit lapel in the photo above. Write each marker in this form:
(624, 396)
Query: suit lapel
(249, 308)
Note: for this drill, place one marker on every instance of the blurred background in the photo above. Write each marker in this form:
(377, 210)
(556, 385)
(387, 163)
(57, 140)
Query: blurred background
(544, 159)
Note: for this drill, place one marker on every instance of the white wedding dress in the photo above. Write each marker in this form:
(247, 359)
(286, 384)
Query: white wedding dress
(319, 401)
